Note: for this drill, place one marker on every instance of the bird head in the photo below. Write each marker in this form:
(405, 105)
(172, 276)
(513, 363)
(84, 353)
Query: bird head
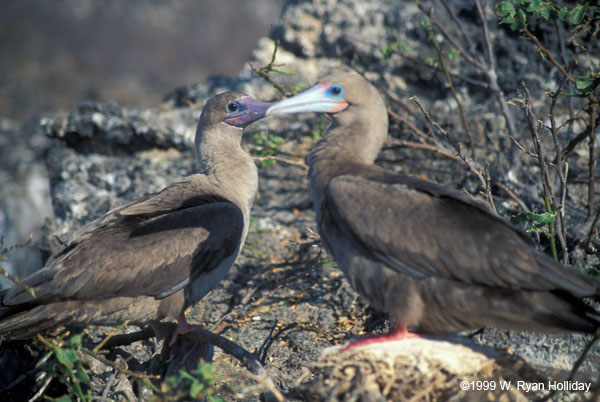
(234, 109)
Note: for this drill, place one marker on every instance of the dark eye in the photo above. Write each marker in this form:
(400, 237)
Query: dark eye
(233, 107)
(336, 90)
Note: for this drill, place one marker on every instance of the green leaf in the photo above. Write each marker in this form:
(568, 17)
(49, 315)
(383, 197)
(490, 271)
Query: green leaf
(521, 18)
(452, 54)
(544, 12)
(196, 389)
(267, 163)
(389, 50)
(534, 6)
(509, 20)
(506, 9)
(82, 375)
(576, 15)
(536, 229)
(583, 84)
(66, 357)
(276, 140)
(64, 398)
(275, 70)
(206, 372)
(186, 376)
(562, 13)
(299, 87)
(75, 341)
(536, 219)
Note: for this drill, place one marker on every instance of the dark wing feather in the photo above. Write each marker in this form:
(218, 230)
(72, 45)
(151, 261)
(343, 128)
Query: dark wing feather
(423, 230)
(152, 246)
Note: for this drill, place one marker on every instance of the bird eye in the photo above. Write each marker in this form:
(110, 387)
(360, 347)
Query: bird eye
(336, 90)
(233, 107)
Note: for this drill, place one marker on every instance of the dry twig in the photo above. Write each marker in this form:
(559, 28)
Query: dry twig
(562, 170)
(549, 200)
(7, 249)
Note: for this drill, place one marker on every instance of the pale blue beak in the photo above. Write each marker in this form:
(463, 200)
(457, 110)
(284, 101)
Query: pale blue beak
(318, 99)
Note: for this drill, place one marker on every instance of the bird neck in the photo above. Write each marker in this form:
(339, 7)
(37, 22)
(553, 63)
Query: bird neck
(352, 141)
(231, 169)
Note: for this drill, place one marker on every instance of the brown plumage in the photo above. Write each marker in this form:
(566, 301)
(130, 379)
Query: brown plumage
(436, 259)
(157, 255)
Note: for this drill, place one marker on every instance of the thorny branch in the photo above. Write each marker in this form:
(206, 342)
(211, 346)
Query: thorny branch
(246, 358)
(449, 83)
(265, 72)
(549, 200)
(547, 53)
(477, 170)
(592, 158)
(7, 249)
(280, 159)
(562, 171)
(487, 69)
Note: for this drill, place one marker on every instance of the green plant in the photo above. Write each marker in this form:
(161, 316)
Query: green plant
(515, 12)
(540, 223)
(582, 16)
(202, 382)
(267, 146)
(265, 71)
(399, 48)
(68, 366)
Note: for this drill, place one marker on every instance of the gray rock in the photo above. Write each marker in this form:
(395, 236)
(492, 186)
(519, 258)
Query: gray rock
(25, 196)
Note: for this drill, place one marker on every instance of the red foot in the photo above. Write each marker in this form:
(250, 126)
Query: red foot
(401, 332)
(183, 327)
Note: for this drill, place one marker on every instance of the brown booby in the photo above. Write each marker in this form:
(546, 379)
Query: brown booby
(434, 258)
(157, 255)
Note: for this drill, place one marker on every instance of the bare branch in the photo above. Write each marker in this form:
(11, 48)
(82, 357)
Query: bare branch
(424, 137)
(265, 71)
(590, 236)
(247, 359)
(547, 53)
(7, 249)
(549, 201)
(279, 159)
(477, 170)
(593, 103)
(466, 38)
(562, 175)
(486, 37)
(450, 85)
(492, 79)
(450, 39)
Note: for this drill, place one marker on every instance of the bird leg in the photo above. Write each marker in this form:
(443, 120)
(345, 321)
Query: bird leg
(184, 349)
(183, 327)
(400, 333)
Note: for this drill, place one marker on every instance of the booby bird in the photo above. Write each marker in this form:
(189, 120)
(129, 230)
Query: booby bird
(153, 257)
(434, 258)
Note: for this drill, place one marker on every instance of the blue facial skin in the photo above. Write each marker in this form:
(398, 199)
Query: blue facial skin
(234, 106)
(335, 92)
(245, 111)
